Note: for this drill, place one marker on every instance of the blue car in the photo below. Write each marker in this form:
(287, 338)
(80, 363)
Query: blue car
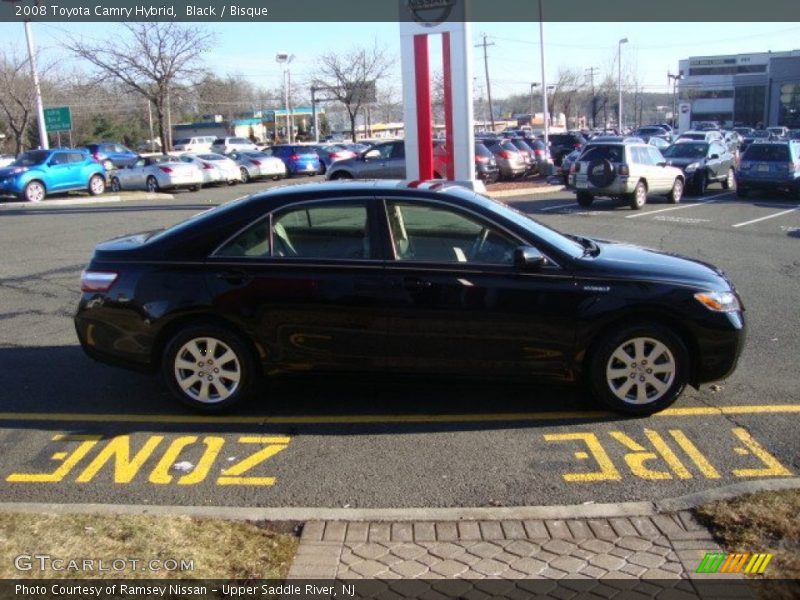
(769, 166)
(120, 156)
(37, 173)
(299, 160)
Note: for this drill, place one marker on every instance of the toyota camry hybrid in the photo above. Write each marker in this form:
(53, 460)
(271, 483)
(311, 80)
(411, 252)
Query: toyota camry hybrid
(403, 277)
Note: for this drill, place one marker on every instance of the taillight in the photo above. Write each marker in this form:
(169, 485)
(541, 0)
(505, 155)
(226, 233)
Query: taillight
(256, 162)
(577, 145)
(481, 159)
(624, 170)
(294, 157)
(97, 281)
(538, 152)
(97, 156)
(504, 154)
(207, 166)
(165, 169)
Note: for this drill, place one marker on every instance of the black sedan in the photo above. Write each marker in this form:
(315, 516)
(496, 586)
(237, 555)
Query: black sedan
(703, 163)
(404, 277)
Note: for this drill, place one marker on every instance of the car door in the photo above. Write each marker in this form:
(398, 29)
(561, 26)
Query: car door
(60, 175)
(376, 162)
(132, 177)
(718, 160)
(397, 161)
(307, 281)
(457, 304)
(662, 176)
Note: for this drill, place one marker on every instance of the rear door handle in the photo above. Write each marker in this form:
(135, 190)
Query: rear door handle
(235, 277)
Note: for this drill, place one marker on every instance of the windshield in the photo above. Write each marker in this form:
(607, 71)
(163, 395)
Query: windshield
(31, 159)
(649, 131)
(761, 133)
(686, 151)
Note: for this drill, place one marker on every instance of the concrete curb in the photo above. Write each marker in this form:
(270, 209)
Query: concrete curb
(527, 192)
(129, 197)
(582, 511)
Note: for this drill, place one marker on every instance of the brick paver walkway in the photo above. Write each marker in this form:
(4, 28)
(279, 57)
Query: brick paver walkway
(658, 547)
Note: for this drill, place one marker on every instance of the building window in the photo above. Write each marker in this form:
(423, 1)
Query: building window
(690, 94)
(712, 71)
(748, 105)
(751, 69)
(789, 111)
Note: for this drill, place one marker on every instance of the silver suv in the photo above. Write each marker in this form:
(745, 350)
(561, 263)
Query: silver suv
(625, 169)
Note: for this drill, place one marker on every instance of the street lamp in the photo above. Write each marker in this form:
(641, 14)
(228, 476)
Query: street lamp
(675, 79)
(533, 85)
(282, 58)
(619, 81)
(43, 141)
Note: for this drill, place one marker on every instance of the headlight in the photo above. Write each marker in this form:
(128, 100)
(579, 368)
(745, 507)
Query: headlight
(693, 166)
(719, 301)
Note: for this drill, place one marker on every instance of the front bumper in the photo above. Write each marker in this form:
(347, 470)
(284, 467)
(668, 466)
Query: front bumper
(719, 344)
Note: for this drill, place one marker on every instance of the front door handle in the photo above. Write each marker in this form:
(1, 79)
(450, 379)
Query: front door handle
(235, 277)
(414, 283)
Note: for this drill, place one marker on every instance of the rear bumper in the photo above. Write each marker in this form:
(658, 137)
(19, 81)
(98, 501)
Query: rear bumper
(770, 183)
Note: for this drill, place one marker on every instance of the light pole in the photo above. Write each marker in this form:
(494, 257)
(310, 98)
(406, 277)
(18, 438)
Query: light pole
(533, 85)
(544, 84)
(619, 81)
(285, 59)
(675, 79)
(45, 143)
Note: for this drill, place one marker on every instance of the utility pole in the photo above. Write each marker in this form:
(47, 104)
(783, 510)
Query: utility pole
(150, 123)
(591, 71)
(488, 84)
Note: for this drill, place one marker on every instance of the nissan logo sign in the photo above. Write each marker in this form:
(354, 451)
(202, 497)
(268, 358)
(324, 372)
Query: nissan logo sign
(430, 12)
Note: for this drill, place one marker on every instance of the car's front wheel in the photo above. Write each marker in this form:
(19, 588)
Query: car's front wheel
(676, 193)
(730, 180)
(245, 175)
(208, 367)
(640, 369)
(33, 192)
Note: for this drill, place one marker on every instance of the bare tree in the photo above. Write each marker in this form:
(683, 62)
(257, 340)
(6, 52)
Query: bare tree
(17, 98)
(348, 75)
(150, 60)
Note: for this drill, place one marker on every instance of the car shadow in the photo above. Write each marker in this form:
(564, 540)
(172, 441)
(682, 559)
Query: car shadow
(346, 404)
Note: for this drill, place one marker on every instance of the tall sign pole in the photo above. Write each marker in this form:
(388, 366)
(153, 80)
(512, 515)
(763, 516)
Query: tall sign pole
(45, 143)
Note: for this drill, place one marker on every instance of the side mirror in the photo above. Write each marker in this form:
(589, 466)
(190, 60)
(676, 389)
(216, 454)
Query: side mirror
(528, 258)
(370, 155)
(662, 163)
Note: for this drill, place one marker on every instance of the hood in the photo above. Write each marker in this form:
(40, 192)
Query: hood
(682, 162)
(9, 171)
(617, 259)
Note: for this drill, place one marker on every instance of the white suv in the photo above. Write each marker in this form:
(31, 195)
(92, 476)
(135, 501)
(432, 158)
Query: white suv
(227, 145)
(194, 144)
(626, 169)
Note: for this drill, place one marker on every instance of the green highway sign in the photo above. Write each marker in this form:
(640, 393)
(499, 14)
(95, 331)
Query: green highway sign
(58, 119)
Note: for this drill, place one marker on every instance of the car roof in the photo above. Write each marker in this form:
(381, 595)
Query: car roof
(616, 139)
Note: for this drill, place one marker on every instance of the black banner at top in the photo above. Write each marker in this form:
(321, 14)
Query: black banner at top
(600, 11)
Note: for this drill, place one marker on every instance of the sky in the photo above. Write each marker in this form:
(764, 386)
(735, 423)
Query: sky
(514, 61)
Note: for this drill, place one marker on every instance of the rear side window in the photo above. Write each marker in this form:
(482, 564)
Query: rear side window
(326, 231)
(59, 158)
(76, 157)
(767, 152)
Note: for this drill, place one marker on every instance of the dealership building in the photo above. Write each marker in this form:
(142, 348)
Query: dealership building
(760, 89)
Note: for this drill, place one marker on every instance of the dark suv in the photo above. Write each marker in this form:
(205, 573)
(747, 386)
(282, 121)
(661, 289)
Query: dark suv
(703, 163)
(770, 166)
(562, 144)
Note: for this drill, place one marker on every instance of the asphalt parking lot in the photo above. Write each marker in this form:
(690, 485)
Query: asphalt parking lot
(75, 431)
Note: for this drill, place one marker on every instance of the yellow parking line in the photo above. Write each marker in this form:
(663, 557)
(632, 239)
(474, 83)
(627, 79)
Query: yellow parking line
(365, 419)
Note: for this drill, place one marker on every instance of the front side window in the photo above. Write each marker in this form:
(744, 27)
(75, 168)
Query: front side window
(333, 230)
(435, 234)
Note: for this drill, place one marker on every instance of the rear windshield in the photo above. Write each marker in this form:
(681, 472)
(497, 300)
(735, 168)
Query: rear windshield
(521, 145)
(767, 152)
(211, 156)
(686, 151)
(694, 136)
(608, 152)
(303, 150)
(182, 141)
(482, 150)
(238, 141)
(760, 134)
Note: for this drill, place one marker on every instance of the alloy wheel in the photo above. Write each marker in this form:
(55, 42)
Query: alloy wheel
(640, 371)
(34, 192)
(207, 370)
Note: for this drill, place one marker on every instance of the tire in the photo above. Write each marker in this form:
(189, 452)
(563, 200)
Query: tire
(639, 197)
(214, 392)
(341, 175)
(741, 191)
(194, 188)
(152, 185)
(245, 175)
(584, 199)
(639, 369)
(701, 184)
(601, 173)
(676, 193)
(116, 186)
(34, 192)
(730, 180)
(97, 185)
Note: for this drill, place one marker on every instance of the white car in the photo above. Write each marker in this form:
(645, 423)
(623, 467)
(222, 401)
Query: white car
(6, 159)
(215, 167)
(194, 144)
(257, 165)
(226, 145)
(156, 173)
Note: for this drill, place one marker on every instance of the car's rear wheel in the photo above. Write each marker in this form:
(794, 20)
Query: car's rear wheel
(639, 197)
(208, 367)
(701, 183)
(115, 184)
(639, 369)
(34, 192)
(152, 185)
(97, 185)
(341, 175)
(584, 199)
(676, 193)
(245, 175)
(730, 180)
